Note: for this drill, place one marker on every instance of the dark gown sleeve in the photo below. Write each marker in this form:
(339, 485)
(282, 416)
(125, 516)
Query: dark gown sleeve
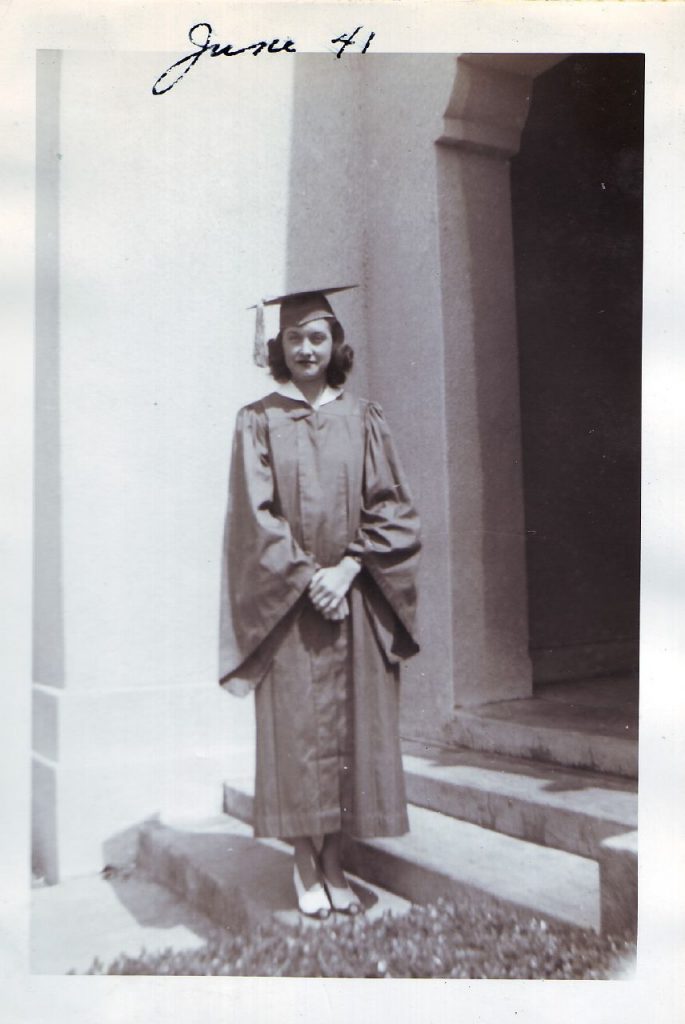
(388, 540)
(264, 570)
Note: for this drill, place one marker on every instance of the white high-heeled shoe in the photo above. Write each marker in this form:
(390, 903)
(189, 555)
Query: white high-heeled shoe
(313, 902)
(342, 898)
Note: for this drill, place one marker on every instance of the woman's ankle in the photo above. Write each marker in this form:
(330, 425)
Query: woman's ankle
(331, 859)
(305, 861)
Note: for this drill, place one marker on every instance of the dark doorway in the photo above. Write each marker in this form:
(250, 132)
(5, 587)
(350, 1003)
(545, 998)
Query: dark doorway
(577, 216)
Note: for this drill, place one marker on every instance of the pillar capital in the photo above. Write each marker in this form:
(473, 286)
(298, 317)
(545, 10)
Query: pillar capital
(489, 103)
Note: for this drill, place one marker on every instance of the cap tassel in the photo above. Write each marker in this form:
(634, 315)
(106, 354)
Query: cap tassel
(259, 350)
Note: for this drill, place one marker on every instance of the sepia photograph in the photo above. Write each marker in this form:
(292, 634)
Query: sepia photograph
(343, 482)
(337, 512)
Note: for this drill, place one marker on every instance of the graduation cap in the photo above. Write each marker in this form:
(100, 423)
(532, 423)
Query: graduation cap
(297, 308)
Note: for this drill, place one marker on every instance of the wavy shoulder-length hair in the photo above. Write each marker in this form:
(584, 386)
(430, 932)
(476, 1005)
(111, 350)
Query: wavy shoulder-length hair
(342, 358)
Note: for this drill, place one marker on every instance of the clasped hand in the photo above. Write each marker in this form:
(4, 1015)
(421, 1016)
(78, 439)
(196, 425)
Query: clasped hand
(328, 588)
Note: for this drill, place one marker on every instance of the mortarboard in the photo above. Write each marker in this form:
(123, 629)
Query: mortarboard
(297, 308)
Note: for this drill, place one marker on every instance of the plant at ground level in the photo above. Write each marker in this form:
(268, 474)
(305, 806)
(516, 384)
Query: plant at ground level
(443, 940)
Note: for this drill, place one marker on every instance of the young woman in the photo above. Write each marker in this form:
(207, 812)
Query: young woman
(318, 602)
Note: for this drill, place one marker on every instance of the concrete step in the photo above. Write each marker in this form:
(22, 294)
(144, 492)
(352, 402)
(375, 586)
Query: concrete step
(618, 884)
(562, 808)
(550, 731)
(445, 857)
(222, 871)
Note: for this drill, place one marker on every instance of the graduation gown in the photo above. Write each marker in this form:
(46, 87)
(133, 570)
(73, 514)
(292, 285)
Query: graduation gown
(307, 487)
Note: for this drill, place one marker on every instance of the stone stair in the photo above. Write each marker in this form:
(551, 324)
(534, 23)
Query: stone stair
(590, 724)
(557, 807)
(219, 869)
(558, 842)
(549, 733)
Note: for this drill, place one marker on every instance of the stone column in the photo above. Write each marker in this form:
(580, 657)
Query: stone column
(481, 132)
(439, 270)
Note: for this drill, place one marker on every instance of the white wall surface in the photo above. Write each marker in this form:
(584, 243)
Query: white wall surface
(160, 220)
(173, 220)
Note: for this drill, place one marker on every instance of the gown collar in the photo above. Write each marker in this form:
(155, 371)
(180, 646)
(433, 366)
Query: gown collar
(291, 390)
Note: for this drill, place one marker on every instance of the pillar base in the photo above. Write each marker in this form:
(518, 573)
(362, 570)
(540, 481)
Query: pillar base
(106, 761)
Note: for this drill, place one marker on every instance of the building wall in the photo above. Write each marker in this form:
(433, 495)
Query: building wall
(159, 221)
(326, 237)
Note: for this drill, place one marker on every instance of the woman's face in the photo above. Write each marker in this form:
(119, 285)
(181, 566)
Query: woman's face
(307, 351)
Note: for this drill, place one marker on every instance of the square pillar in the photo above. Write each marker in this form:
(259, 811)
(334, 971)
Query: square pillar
(481, 131)
(444, 361)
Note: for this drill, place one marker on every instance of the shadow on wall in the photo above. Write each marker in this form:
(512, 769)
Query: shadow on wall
(325, 234)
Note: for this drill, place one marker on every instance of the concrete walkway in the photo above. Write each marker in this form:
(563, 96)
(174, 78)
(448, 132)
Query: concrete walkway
(83, 918)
